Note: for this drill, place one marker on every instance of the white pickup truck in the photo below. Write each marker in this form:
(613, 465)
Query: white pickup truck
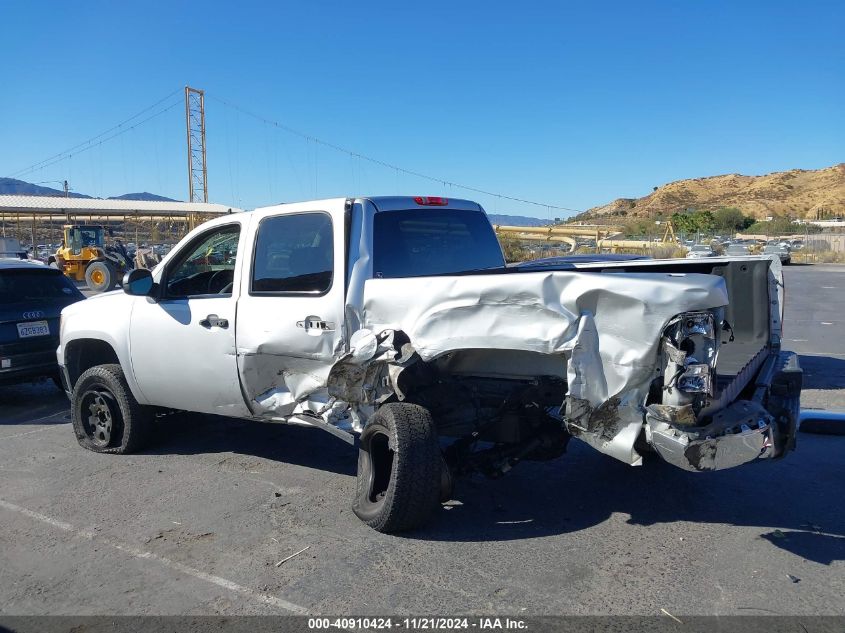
(395, 324)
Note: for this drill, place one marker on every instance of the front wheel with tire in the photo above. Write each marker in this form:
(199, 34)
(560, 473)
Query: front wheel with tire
(106, 417)
(101, 276)
(399, 469)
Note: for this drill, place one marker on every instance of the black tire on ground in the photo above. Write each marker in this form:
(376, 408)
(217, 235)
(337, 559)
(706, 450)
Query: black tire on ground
(106, 417)
(101, 276)
(399, 469)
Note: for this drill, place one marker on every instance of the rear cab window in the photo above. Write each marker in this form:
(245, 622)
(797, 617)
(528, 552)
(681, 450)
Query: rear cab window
(293, 254)
(421, 242)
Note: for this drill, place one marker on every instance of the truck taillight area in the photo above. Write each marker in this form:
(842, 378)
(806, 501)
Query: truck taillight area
(431, 201)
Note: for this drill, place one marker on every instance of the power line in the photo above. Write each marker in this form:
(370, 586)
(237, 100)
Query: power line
(376, 161)
(85, 145)
(65, 156)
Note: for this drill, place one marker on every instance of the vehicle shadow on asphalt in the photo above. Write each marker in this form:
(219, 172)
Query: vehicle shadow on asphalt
(795, 499)
(39, 402)
(823, 372)
(194, 434)
(794, 502)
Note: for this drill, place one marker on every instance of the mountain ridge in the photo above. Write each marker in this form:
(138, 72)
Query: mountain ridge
(12, 186)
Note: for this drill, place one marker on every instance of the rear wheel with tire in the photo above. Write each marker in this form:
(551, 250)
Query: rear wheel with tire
(101, 276)
(399, 469)
(106, 417)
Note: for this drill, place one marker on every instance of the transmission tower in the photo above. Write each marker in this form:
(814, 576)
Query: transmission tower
(195, 128)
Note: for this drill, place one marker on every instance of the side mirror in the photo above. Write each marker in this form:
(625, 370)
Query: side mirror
(138, 282)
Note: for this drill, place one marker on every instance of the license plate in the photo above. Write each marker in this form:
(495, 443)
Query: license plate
(33, 328)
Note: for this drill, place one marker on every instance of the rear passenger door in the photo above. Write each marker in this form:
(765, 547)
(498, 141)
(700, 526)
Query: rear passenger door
(290, 313)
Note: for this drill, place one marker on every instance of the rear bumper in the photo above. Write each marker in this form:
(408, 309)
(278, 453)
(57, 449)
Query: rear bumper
(761, 427)
(23, 366)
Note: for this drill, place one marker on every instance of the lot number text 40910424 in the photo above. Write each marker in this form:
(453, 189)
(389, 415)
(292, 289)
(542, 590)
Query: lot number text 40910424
(428, 623)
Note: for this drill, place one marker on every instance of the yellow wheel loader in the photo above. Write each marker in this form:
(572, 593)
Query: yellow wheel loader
(84, 255)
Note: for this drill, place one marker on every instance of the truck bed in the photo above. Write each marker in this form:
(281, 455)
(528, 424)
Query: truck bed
(749, 281)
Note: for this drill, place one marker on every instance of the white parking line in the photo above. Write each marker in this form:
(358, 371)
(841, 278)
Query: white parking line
(46, 428)
(51, 415)
(264, 598)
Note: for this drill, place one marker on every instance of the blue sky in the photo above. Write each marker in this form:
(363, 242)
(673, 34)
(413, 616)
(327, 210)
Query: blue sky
(570, 104)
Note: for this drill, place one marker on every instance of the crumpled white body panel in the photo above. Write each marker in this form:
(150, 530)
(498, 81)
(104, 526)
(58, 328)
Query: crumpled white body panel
(606, 325)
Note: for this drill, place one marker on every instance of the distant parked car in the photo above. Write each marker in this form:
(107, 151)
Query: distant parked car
(31, 297)
(700, 250)
(12, 248)
(736, 250)
(781, 250)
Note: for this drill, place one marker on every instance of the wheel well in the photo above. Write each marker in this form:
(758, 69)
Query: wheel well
(83, 354)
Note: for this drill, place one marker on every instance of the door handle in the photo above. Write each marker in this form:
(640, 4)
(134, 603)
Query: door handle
(315, 323)
(212, 320)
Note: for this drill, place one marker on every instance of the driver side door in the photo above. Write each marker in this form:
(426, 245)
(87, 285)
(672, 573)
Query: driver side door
(182, 345)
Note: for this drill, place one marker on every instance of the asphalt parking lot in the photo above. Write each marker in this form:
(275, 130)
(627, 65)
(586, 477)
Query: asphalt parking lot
(197, 524)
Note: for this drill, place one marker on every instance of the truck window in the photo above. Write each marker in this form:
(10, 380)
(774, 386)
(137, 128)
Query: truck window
(208, 266)
(293, 253)
(420, 242)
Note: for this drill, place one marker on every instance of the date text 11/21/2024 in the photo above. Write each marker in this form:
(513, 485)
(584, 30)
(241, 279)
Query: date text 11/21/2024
(418, 623)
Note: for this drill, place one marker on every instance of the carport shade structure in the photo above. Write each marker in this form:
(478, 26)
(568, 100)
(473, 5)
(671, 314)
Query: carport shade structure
(26, 217)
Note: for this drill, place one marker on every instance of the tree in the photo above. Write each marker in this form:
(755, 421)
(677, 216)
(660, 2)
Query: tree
(704, 221)
(730, 220)
(683, 222)
(693, 223)
(781, 225)
(639, 227)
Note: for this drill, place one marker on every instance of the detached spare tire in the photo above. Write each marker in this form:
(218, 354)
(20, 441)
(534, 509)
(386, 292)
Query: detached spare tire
(101, 276)
(399, 469)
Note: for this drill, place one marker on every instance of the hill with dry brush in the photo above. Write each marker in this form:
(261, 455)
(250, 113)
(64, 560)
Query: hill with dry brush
(798, 193)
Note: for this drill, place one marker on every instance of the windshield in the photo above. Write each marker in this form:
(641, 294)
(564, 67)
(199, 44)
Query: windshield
(85, 236)
(17, 286)
(420, 242)
(700, 248)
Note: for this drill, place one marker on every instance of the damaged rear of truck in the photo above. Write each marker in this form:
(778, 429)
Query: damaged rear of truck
(395, 324)
(674, 358)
